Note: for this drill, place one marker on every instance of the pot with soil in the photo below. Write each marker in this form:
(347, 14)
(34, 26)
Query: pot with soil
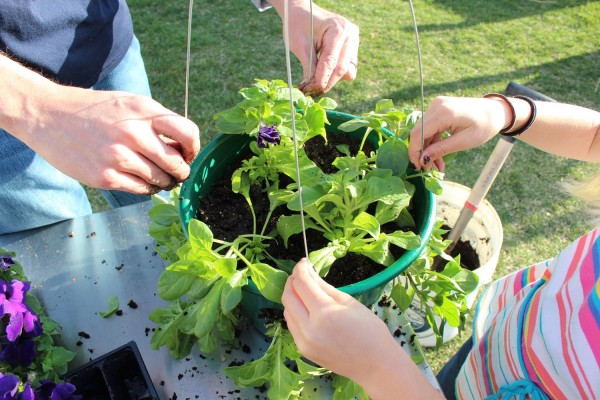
(207, 196)
(241, 230)
(479, 248)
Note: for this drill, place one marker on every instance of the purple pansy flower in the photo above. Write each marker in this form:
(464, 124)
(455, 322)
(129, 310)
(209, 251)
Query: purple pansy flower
(21, 317)
(53, 391)
(267, 135)
(27, 393)
(20, 352)
(6, 261)
(9, 384)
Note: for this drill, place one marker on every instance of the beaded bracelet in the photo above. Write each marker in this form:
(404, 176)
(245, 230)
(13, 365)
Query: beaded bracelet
(531, 116)
(513, 116)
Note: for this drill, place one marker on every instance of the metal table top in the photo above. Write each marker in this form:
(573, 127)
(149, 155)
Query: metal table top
(76, 265)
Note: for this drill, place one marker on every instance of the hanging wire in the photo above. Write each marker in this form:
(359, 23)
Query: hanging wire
(312, 41)
(188, 59)
(412, 11)
(293, 113)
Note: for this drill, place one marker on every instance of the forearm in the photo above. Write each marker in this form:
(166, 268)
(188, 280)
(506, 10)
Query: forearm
(23, 91)
(561, 129)
(395, 376)
(279, 5)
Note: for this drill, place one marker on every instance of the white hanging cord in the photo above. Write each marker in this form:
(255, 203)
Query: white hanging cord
(312, 41)
(293, 113)
(412, 11)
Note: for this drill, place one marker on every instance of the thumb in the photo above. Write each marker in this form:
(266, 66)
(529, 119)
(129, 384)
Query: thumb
(309, 66)
(328, 289)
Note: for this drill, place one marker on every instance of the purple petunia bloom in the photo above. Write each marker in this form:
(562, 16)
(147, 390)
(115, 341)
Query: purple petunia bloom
(52, 391)
(9, 384)
(6, 261)
(12, 298)
(20, 352)
(27, 393)
(267, 135)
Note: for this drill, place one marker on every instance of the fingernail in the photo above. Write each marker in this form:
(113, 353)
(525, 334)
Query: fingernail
(426, 159)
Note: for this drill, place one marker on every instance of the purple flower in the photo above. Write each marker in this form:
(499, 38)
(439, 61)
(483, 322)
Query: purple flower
(27, 393)
(267, 135)
(21, 317)
(20, 352)
(53, 391)
(9, 384)
(6, 261)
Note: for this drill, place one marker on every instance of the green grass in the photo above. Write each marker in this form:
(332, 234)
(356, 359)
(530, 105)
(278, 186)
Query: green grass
(469, 48)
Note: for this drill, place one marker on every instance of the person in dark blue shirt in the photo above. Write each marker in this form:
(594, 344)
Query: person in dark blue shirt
(55, 132)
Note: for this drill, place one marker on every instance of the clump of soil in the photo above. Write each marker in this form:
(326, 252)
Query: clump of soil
(468, 256)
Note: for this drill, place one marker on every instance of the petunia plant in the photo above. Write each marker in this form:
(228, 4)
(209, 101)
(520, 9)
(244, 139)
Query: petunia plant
(30, 363)
(361, 206)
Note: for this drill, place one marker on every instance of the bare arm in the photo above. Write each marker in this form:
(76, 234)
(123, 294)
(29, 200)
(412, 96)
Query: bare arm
(334, 330)
(109, 140)
(561, 129)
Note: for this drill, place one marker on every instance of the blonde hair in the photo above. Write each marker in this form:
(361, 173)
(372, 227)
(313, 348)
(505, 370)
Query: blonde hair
(588, 191)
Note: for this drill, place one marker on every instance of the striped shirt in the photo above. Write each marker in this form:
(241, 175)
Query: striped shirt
(536, 332)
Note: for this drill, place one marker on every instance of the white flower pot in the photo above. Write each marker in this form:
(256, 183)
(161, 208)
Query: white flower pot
(484, 233)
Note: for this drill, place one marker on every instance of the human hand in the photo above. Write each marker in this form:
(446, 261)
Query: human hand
(470, 121)
(335, 47)
(114, 140)
(331, 328)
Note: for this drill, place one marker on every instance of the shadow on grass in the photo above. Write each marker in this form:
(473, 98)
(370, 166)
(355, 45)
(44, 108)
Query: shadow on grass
(483, 11)
(550, 80)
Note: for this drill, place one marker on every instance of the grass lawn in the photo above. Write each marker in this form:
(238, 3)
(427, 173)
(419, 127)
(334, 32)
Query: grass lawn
(469, 48)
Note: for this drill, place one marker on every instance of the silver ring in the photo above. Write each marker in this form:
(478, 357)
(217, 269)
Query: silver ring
(354, 62)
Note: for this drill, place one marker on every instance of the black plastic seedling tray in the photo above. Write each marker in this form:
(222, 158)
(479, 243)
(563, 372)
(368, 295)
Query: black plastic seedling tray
(118, 375)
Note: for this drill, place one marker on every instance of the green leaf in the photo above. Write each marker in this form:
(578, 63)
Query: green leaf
(353, 125)
(225, 266)
(322, 259)
(401, 297)
(289, 225)
(196, 268)
(388, 191)
(232, 291)
(271, 368)
(345, 389)
(433, 185)
(57, 358)
(231, 121)
(200, 235)
(377, 251)
(307, 370)
(449, 311)
(172, 285)
(383, 105)
(164, 214)
(251, 374)
(269, 281)
(203, 315)
(405, 240)
(113, 306)
(310, 195)
(366, 222)
(328, 103)
(393, 155)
